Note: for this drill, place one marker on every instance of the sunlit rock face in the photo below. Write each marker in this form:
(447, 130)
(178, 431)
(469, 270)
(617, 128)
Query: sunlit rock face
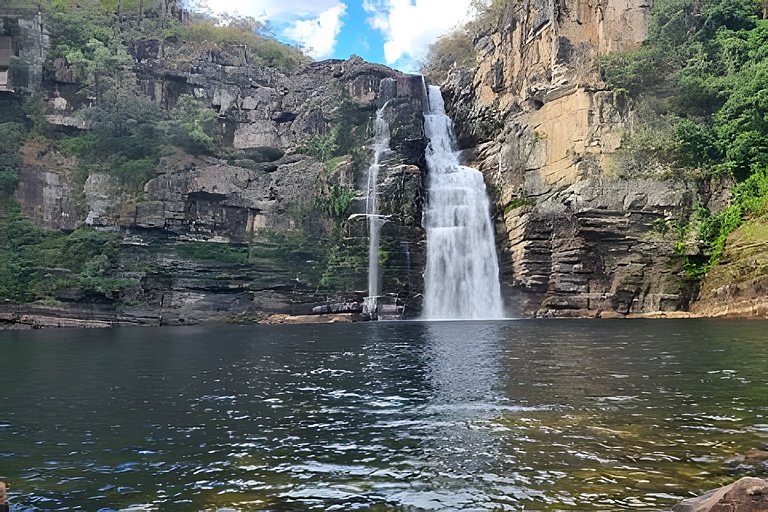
(578, 234)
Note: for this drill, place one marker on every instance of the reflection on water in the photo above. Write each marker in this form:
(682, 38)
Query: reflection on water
(555, 415)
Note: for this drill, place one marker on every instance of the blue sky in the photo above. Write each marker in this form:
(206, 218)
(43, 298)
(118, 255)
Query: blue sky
(393, 32)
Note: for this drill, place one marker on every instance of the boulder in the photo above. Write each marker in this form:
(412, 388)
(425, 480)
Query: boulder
(746, 495)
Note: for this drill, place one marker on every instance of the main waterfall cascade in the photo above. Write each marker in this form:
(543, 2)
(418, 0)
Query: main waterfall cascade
(462, 275)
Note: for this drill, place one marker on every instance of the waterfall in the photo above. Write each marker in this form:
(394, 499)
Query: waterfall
(462, 275)
(375, 221)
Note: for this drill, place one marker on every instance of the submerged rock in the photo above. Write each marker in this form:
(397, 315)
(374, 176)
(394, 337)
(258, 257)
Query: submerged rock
(754, 462)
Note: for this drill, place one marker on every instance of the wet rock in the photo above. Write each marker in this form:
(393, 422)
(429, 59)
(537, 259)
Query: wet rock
(746, 495)
(346, 307)
(341, 318)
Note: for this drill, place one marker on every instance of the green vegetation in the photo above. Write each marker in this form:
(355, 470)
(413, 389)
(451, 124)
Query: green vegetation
(701, 85)
(338, 200)
(704, 70)
(13, 131)
(226, 253)
(456, 49)
(517, 203)
(750, 200)
(321, 147)
(76, 23)
(346, 261)
(35, 263)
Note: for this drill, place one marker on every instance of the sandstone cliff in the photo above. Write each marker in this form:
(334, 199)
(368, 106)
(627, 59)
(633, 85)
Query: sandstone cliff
(578, 234)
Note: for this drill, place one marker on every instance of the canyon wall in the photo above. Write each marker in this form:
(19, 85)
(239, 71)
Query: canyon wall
(580, 233)
(263, 194)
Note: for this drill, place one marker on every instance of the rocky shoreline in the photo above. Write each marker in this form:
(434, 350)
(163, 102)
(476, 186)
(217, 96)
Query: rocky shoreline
(32, 316)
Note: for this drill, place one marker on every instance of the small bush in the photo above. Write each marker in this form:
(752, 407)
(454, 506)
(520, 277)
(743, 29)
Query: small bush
(453, 50)
(750, 200)
(338, 200)
(321, 147)
(517, 203)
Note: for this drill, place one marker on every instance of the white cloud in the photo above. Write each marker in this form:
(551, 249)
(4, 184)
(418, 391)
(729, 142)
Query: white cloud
(278, 11)
(410, 26)
(312, 24)
(318, 35)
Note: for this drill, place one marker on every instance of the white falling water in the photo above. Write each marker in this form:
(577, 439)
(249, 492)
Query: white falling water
(462, 276)
(375, 221)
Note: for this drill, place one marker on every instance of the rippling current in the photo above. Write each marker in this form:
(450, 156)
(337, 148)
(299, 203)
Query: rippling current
(583, 415)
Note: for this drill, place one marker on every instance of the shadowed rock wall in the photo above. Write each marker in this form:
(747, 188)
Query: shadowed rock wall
(267, 204)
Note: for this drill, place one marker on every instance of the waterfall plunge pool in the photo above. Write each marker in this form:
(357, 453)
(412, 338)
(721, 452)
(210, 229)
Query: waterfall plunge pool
(534, 414)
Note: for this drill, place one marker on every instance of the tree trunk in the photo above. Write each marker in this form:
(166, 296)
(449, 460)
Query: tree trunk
(141, 10)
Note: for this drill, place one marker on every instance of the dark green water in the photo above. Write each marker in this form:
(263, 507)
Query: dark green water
(582, 415)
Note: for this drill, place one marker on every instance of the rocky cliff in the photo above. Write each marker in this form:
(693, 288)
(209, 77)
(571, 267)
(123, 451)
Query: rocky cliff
(581, 233)
(282, 209)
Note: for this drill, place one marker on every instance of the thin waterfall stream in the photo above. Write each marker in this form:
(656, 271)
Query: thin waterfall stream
(375, 220)
(461, 281)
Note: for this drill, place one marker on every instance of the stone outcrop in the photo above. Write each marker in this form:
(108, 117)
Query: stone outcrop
(745, 495)
(578, 235)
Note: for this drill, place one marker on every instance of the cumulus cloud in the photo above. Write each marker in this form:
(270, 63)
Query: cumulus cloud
(410, 26)
(312, 24)
(278, 11)
(318, 35)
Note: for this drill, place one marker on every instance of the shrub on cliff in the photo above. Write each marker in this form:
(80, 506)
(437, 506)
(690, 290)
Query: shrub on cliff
(453, 50)
(750, 200)
(13, 131)
(456, 49)
(35, 263)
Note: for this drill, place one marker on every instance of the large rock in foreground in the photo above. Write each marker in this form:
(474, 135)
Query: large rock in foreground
(745, 495)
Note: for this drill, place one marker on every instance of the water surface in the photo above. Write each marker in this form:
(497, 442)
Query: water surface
(583, 415)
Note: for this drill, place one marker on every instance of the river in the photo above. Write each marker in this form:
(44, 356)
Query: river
(534, 414)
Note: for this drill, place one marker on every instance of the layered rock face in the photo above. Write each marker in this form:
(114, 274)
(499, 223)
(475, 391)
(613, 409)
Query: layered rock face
(270, 198)
(577, 234)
